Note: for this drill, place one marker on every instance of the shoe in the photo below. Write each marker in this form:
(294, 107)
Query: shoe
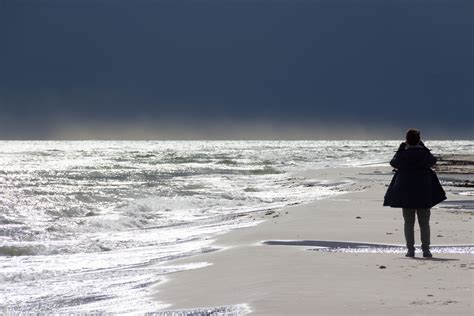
(427, 254)
(410, 253)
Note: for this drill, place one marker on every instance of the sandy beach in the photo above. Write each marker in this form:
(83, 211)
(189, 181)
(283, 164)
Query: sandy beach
(256, 270)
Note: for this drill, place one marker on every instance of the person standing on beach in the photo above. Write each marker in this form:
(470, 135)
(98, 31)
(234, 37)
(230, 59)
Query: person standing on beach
(415, 188)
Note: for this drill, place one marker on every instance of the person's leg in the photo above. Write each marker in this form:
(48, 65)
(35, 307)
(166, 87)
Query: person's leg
(424, 222)
(409, 216)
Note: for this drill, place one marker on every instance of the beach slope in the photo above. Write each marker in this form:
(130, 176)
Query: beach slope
(286, 266)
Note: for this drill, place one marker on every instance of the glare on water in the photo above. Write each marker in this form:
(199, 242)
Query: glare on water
(91, 225)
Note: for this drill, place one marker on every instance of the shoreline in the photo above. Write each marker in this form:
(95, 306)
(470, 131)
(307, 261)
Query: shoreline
(279, 279)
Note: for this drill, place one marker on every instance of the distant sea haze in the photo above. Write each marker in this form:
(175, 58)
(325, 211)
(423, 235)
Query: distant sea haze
(90, 225)
(58, 127)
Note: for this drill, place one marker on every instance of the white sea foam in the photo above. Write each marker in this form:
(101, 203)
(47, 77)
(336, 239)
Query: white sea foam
(90, 225)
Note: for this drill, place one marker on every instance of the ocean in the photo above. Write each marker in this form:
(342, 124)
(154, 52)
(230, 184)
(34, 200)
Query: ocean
(91, 226)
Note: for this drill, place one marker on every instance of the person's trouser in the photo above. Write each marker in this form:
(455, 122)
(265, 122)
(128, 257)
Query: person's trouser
(424, 222)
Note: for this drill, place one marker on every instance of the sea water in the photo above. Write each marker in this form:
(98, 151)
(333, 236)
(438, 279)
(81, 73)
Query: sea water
(91, 226)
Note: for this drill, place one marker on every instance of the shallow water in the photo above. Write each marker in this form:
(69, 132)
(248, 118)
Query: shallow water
(91, 225)
(232, 310)
(359, 247)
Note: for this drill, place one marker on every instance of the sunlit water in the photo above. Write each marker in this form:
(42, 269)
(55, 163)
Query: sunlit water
(91, 226)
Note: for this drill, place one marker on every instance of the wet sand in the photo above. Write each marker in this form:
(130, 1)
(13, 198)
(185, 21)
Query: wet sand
(297, 261)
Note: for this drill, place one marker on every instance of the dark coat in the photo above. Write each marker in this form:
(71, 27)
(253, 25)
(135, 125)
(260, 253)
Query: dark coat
(415, 184)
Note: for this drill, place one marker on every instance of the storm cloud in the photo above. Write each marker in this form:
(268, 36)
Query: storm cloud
(235, 69)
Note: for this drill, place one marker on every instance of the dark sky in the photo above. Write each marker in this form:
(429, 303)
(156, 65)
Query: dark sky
(194, 69)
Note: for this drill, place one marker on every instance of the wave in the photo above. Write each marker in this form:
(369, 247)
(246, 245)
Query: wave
(227, 162)
(14, 251)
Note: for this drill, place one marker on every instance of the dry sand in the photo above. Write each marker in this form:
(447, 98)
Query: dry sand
(295, 280)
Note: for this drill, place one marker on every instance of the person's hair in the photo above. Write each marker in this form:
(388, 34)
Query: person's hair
(413, 137)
